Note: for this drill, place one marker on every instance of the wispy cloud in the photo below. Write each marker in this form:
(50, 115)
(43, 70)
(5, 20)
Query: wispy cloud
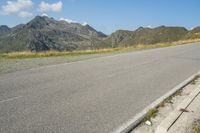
(15, 6)
(54, 7)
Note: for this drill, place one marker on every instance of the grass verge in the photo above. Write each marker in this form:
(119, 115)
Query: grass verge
(196, 126)
(194, 80)
(178, 93)
(169, 99)
(28, 54)
(198, 130)
(150, 114)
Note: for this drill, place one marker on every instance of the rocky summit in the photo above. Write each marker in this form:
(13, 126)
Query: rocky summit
(44, 33)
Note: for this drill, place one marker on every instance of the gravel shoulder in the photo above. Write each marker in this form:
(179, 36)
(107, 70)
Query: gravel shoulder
(13, 65)
(185, 124)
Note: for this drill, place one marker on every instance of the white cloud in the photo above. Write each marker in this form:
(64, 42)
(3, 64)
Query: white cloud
(55, 7)
(15, 6)
(192, 28)
(44, 14)
(72, 21)
(149, 26)
(25, 14)
(85, 23)
(68, 20)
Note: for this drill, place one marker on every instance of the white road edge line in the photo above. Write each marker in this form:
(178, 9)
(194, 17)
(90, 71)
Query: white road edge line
(135, 120)
(10, 99)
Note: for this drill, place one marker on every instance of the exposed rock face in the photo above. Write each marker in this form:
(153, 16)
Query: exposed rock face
(4, 30)
(195, 30)
(44, 33)
(147, 36)
(193, 34)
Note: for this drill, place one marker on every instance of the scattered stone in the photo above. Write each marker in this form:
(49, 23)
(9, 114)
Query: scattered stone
(149, 123)
(184, 110)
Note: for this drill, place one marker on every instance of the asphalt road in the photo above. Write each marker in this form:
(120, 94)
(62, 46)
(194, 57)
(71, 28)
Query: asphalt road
(92, 96)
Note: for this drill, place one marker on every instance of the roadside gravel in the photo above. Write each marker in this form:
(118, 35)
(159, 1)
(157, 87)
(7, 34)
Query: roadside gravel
(12, 65)
(168, 107)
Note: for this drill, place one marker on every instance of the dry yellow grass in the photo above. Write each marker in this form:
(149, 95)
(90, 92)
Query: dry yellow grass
(196, 126)
(198, 130)
(28, 54)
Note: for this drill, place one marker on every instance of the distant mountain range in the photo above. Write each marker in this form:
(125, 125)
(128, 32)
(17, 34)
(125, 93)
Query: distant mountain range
(43, 33)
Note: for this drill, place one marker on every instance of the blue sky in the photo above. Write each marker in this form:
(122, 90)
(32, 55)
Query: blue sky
(105, 15)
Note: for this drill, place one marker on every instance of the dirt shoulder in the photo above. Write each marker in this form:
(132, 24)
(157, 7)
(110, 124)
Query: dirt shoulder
(13, 65)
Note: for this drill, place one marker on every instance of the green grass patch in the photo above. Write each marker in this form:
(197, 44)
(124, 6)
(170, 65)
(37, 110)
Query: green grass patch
(169, 99)
(150, 114)
(198, 130)
(194, 80)
(196, 126)
(28, 54)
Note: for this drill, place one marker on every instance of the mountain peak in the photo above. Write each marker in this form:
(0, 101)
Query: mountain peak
(142, 29)
(89, 27)
(45, 33)
(4, 29)
(4, 26)
(40, 22)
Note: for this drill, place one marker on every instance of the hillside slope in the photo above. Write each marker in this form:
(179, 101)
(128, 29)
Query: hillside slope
(147, 36)
(43, 33)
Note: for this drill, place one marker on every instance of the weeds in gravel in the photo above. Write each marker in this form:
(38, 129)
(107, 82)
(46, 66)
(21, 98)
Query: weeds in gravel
(169, 99)
(151, 114)
(194, 80)
(196, 126)
(198, 130)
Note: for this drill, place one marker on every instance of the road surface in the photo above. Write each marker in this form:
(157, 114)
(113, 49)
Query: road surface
(92, 96)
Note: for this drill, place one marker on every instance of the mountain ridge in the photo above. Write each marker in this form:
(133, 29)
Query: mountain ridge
(144, 35)
(44, 33)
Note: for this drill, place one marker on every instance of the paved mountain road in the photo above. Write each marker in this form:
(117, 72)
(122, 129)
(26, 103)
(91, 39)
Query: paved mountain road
(92, 96)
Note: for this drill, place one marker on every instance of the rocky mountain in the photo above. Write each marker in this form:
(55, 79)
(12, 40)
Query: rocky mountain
(195, 30)
(194, 33)
(147, 36)
(44, 33)
(4, 30)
